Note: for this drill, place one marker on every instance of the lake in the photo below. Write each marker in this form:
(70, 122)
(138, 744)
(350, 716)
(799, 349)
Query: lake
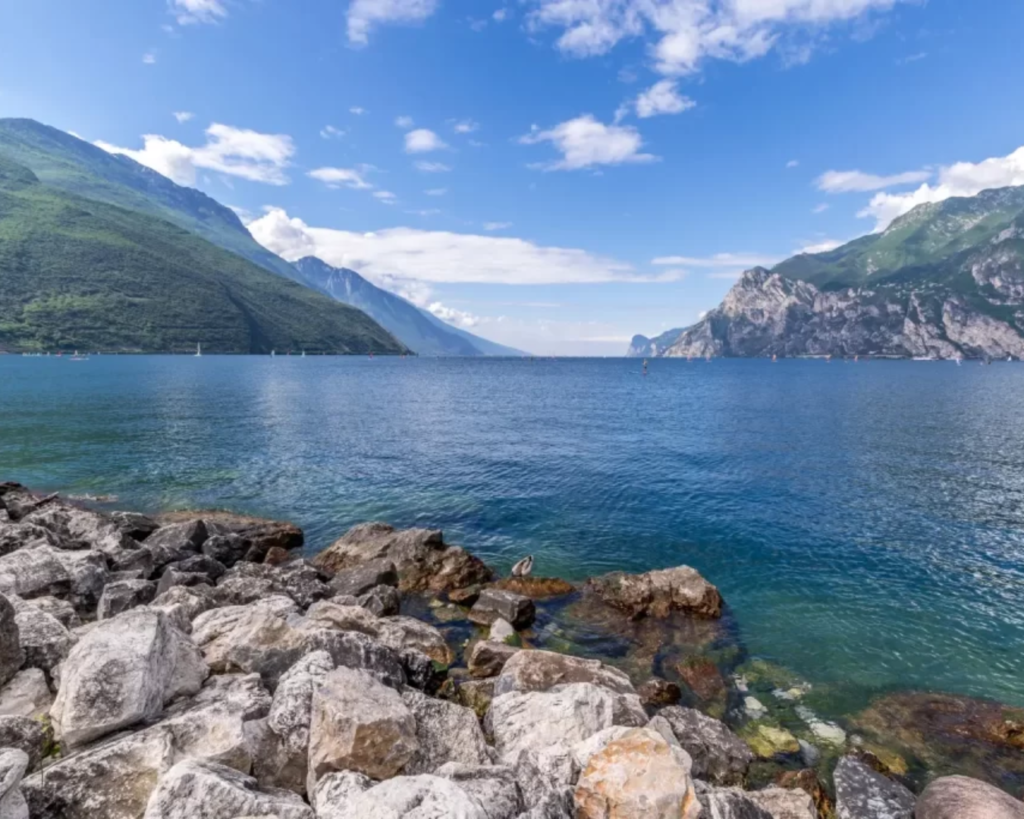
(864, 522)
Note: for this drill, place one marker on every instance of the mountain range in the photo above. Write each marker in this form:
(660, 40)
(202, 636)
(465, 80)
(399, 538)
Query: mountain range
(142, 206)
(946, 280)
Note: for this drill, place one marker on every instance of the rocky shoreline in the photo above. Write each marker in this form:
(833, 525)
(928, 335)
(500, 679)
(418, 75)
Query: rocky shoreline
(194, 665)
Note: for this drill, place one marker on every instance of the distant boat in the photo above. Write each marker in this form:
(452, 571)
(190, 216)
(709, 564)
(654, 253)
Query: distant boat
(77, 357)
(273, 353)
(774, 358)
(199, 351)
(303, 353)
(645, 366)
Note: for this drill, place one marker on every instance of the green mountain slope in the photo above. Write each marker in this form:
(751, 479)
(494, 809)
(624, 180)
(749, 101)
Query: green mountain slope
(66, 162)
(76, 273)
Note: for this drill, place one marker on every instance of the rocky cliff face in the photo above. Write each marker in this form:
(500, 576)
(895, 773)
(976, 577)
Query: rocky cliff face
(766, 314)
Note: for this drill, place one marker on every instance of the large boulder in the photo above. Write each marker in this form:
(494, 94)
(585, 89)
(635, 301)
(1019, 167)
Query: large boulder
(260, 534)
(26, 695)
(718, 755)
(11, 655)
(61, 610)
(15, 536)
(729, 803)
(358, 580)
(487, 658)
(960, 797)
(494, 787)
(445, 733)
(175, 542)
(495, 604)
(34, 572)
(81, 528)
(248, 582)
(658, 593)
(123, 671)
(639, 776)
(32, 736)
(44, 640)
(862, 793)
(135, 525)
(784, 803)
(204, 789)
(348, 795)
(122, 595)
(115, 777)
(13, 764)
(424, 561)
(358, 724)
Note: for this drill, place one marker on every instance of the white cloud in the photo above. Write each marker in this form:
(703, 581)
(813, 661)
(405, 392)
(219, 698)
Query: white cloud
(685, 33)
(149, 58)
(340, 178)
(438, 256)
(457, 317)
(744, 260)
(820, 208)
(357, 110)
(424, 212)
(466, 126)
(824, 246)
(183, 116)
(584, 142)
(912, 58)
(232, 151)
(500, 15)
(365, 15)
(662, 98)
(432, 167)
(403, 122)
(422, 141)
(330, 132)
(793, 163)
(436, 191)
(387, 197)
(188, 12)
(497, 225)
(849, 181)
(960, 179)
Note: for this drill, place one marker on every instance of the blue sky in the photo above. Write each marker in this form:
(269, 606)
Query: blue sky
(552, 174)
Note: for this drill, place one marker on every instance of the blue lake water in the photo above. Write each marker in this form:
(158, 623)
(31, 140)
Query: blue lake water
(865, 522)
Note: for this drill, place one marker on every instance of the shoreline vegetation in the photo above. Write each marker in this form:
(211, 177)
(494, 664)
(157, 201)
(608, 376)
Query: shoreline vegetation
(195, 664)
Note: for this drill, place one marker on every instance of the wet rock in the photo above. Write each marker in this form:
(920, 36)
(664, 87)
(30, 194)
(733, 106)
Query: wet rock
(348, 795)
(487, 658)
(13, 764)
(137, 527)
(360, 579)
(193, 788)
(30, 736)
(26, 695)
(718, 755)
(501, 631)
(384, 601)
(424, 561)
(11, 655)
(640, 776)
(780, 803)
(121, 672)
(226, 549)
(656, 594)
(862, 793)
(248, 582)
(828, 733)
(768, 741)
(445, 732)
(476, 695)
(657, 693)
(704, 679)
(175, 542)
(536, 588)
(464, 597)
(960, 797)
(494, 604)
(358, 724)
(44, 641)
(123, 595)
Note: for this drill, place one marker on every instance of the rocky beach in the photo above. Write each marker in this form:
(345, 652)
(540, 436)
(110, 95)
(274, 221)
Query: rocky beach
(196, 664)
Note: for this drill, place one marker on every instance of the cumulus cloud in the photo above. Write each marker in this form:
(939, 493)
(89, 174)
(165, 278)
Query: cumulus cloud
(183, 116)
(422, 141)
(330, 132)
(340, 178)
(228, 150)
(682, 34)
(662, 98)
(851, 181)
(459, 318)
(438, 256)
(960, 179)
(432, 167)
(584, 142)
(365, 15)
(188, 12)
(403, 122)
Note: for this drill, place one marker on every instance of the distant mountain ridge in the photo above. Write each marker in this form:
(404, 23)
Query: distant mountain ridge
(946, 280)
(418, 329)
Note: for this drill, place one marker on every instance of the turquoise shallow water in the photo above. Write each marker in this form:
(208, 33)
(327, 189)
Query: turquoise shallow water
(865, 522)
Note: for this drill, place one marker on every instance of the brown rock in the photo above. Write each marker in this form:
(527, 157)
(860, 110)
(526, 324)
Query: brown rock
(276, 556)
(656, 594)
(262, 534)
(488, 658)
(703, 678)
(657, 692)
(464, 597)
(536, 588)
(808, 782)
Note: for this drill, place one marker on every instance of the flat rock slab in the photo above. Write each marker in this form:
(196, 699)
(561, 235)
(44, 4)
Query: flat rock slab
(862, 793)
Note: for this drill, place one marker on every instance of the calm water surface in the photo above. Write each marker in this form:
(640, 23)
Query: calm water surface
(865, 522)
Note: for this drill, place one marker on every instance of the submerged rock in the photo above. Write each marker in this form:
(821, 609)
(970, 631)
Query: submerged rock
(657, 593)
(424, 561)
(959, 797)
(657, 693)
(862, 793)
(536, 588)
(781, 803)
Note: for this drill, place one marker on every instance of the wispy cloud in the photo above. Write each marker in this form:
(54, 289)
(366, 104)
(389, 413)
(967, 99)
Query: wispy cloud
(366, 15)
(851, 181)
(183, 116)
(404, 122)
(497, 225)
(431, 167)
(341, 178)
(189, 12)
(358, 110)
(436, 191)
(149, 58)
(330, 132)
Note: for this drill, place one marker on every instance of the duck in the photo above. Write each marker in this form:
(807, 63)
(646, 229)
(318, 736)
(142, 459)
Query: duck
(523, 567)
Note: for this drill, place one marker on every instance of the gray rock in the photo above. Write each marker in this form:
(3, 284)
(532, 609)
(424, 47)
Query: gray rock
(175, 542)
(494, 787)
(862, 793)
(191, 602)
(13, 764)
(246, 583)
(31, 736)
(81, 528)
(960, 797)
(358, 580)
(475, 695)
(203, 789)
(132, 565)
(358, 724)
(487, 658)
(26, 695)
(501, 630)
(121, 672)
(44, 640)
(122, 595)
(15, 536)
(11, 655)
(494, 604)
(171, 578)
(34, 573)
(136, 526)
(227, 549)
(728, 803)
(784, 803)
(445, 732)
(200, 564)
(384, 601)
(345, 796)
(61, 610)
(718, 755)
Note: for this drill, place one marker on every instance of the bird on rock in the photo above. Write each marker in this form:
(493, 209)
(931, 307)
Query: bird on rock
(523, 567)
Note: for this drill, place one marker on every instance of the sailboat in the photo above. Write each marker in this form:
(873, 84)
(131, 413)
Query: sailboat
(303, 353)
(273, 353)
(199, 351)
(77, 357)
